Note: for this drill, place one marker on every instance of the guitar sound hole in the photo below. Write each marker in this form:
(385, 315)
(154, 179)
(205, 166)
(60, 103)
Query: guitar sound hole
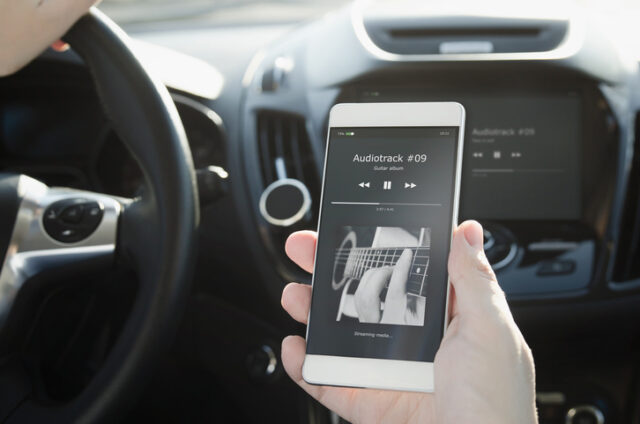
(339, 279)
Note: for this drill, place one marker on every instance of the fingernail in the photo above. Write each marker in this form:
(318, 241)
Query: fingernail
(473, 234)
(60, 46)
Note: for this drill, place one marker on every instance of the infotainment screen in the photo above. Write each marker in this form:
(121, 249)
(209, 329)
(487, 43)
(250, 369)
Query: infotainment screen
(522, 153)
(522, 159)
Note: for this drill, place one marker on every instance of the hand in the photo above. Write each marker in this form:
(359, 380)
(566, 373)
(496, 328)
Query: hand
(373, 282)
(27, 27)
(484, 370)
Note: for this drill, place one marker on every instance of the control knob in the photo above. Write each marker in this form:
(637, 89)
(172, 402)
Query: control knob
(285, 202)
(584, 414)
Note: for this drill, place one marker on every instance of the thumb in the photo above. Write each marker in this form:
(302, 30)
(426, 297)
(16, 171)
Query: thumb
(60, 46)
(470, 273)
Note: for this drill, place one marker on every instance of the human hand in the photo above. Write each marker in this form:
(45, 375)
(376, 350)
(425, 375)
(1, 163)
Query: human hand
(484, 370)
(27, 27)
(373, 282)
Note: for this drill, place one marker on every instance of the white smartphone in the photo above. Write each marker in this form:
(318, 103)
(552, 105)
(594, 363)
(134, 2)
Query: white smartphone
(388, 209)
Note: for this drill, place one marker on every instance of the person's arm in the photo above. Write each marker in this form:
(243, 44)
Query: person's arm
(27, 27)
(484, 370)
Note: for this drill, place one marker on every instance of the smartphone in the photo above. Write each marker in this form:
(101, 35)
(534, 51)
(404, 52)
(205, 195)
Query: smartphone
(389, 206)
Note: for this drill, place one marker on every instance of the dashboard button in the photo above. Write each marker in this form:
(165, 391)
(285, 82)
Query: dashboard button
(557, 267)
(262, 363)
(584, 414)
(499, 245)
(488, 239)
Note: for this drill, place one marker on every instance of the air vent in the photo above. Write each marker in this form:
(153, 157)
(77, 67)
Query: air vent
(432, 35)
(627, 263)
(290, 177)
(285, 149)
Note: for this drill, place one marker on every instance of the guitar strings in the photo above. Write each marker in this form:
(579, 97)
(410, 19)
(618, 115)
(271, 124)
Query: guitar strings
(361, 259)
(376, 254)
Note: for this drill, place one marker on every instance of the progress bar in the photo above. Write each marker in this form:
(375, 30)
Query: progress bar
(385, 204)
(511, 170)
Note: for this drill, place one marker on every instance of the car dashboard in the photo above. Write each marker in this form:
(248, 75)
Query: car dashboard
(549, 170)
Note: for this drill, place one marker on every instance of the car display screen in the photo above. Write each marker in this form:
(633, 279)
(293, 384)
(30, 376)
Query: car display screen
(522, 155)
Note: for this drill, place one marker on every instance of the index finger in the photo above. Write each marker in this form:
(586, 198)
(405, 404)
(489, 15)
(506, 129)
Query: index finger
(398, 283)
(301, 248)
(296, 300)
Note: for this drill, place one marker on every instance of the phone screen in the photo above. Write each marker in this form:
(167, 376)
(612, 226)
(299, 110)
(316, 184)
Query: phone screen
(380, 281)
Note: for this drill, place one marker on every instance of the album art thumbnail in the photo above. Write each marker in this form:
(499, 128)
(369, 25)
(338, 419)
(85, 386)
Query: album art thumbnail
(382, 274)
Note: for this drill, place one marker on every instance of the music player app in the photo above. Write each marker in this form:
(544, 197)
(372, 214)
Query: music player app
(380, 281)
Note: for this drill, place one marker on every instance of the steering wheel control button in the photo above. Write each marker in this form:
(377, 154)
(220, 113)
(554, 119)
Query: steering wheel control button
(68, 234)
(72, 220)
(285, 202)
(72, 214)
(584, 414)
(93, 214)
(557, 267)
(50, 215)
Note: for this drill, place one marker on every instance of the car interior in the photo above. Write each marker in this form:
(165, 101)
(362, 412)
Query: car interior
(142, 272)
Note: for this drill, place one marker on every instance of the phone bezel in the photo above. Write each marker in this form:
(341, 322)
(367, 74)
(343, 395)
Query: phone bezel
(386, 373)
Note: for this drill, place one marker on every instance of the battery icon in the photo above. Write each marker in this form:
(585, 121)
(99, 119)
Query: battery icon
(349, 133)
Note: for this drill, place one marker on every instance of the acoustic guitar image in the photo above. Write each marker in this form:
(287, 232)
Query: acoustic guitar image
(352, 261)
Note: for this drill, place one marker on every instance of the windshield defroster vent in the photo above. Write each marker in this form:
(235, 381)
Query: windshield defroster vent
(435, 35)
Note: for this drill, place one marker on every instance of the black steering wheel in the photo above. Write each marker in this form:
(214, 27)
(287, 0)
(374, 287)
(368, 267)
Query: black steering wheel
(48, 233)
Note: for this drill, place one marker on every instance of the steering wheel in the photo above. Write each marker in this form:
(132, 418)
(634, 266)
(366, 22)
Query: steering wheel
(48, 233)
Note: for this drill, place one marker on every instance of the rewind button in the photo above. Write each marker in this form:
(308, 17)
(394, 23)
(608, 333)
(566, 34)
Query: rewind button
(365, 185)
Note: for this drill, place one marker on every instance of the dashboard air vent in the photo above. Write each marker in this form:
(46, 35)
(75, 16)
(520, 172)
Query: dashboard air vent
(289, 175)
(434, 35)
(285, 149)
(627, 262)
